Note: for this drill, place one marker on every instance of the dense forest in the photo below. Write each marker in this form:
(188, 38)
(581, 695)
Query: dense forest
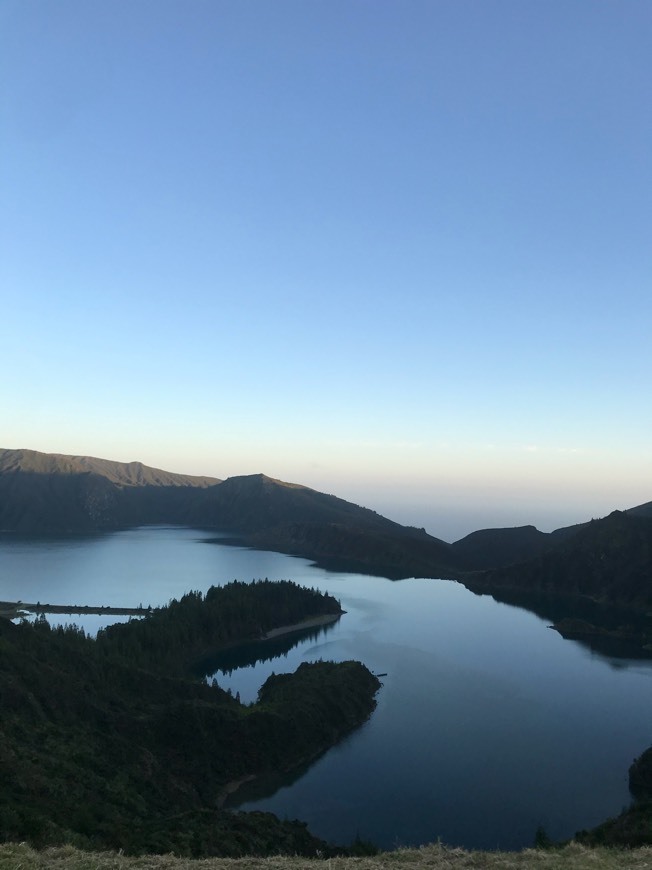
(179, 637)
(103, 744)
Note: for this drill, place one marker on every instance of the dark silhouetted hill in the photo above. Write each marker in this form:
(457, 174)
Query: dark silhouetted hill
(607, 560)
(294, 519)
(491, 548)
(641, 510)
(51, 493)
(252, 502)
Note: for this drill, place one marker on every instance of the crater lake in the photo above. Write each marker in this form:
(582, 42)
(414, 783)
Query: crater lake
(488, 725)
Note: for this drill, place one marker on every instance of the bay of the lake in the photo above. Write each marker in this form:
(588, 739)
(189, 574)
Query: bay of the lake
(488, 723)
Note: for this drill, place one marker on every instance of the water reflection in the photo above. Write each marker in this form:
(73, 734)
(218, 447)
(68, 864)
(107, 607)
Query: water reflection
(249, 655)
(611, 631)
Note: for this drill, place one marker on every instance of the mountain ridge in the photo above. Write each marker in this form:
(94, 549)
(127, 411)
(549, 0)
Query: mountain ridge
(55, 493)
(607, 560)
(121, 473)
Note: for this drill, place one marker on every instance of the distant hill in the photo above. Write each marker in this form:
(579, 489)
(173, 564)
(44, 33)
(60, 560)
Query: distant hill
(641, 510)
(295, 519)
(251, 502)
(52, 493)
(490, 548)
(607, 560)
(120, 473)
(494, 548)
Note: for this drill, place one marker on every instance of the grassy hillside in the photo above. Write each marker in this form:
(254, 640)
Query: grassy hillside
(34, 502)
(120, 473)
(53, 493)
(435, 857)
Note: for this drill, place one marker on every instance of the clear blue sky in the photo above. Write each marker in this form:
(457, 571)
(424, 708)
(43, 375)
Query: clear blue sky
(398, 251)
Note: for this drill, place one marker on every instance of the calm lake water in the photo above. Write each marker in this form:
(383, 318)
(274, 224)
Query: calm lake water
(488, 724)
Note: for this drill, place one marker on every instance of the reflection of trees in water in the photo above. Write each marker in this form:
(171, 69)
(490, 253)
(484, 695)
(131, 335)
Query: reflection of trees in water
(266, 785)
(248, 655)
(631, 631)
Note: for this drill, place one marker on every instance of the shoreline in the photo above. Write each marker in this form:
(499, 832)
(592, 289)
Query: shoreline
(232, 787)
(312, 622)
(14, 609)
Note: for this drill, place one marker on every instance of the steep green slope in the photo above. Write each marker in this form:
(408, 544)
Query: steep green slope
(120, 473)
(32, 502)
(53, 493)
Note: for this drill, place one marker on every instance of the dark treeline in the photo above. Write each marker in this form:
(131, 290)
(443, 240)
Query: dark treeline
(177, 638)
(633, 827)
(103, 752)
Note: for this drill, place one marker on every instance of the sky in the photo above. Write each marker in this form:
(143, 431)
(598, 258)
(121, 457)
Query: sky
(396, 251)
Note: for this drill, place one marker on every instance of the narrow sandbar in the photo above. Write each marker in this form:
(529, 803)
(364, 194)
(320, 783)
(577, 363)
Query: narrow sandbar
(313, 622)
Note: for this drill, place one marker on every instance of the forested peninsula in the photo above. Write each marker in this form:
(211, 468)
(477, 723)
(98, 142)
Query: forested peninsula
(121, 743)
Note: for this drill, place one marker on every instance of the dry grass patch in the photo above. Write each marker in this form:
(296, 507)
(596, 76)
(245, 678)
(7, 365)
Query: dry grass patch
(435, 857)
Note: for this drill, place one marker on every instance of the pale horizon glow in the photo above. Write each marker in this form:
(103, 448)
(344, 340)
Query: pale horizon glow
(396, 252)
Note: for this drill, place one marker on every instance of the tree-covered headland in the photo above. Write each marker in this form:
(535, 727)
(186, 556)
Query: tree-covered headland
(118, 742)
(179, 637)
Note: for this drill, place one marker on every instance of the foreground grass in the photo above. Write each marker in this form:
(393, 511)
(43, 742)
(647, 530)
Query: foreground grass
(437, 857)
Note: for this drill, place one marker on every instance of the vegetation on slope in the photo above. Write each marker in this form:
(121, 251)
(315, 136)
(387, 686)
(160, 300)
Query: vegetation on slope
(493, 548)
(608, 560)
(633, 827)
(435, 857)
(177, 638)
(102, 752)
(362, 549)
(120, 473)
(52, 493)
